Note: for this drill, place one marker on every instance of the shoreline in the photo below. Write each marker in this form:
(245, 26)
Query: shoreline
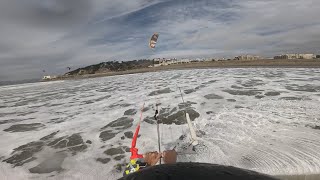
(282, 63)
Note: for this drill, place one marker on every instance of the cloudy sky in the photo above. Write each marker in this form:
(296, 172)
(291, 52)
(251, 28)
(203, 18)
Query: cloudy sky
(50, 35)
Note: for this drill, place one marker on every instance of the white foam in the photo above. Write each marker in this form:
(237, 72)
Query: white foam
(240, 137)
(9, 173)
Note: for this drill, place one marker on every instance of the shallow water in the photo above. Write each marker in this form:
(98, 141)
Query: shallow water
(259, 119)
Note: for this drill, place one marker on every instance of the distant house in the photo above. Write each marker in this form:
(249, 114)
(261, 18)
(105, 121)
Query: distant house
(318, 56)
(185, 61)
(247, 57)
(281, 57)
(82, 71)
(195, 60)
(295, 56)
(165, 62)
(46, 77)
(207, 59)
(169, 61)
(159, 62)
(306, 56)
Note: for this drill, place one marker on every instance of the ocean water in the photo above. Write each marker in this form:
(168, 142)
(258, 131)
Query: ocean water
(266, 120)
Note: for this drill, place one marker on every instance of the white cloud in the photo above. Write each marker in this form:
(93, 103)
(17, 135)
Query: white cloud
(57, 33)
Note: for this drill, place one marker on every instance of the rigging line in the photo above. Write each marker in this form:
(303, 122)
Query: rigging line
(183, 105)
(191, 129)
(181, 94)
(141, 113)
(158, 130)
(152, 43)
(156, 107)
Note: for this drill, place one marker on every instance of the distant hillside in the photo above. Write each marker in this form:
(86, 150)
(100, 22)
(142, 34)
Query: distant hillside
(112, 66)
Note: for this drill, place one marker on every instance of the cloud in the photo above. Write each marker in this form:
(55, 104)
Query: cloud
(54, 34)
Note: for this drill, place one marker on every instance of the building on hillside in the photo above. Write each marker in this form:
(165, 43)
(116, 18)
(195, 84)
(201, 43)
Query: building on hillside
(165, 62)
(196, 60)
(47, 77)
(159, 62)
(204, 59)
(82, 71)
(247, 57)
(182, 61)
(295, 56)
(318, 56)
(307, 56)
(221, 59)
(281, 57)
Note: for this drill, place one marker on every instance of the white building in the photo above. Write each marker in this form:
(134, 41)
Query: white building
(295, 56)
(165, 62)
(208, 59)
(46, 77)
(247, 57)
(307, 56)
(185, 61)
(159, 62)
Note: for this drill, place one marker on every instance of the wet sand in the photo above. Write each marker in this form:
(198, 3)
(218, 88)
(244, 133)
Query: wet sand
(270, 63)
